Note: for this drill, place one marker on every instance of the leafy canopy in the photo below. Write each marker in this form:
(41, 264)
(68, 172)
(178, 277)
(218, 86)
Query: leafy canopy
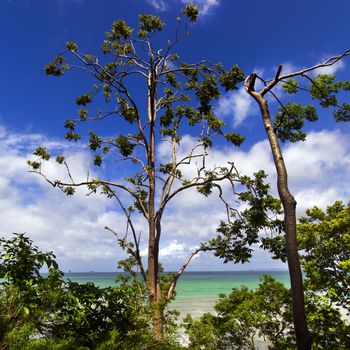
(324, 238)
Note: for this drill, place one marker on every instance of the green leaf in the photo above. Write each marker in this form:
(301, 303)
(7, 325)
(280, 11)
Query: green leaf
(72, 136)
(83, 100)
(98, 160)
(94, 141)
(191, 11)
(42, 153)
(69, 191)
(72, 46)
(234, 138)
(120, 30)
(230, 79)
(69, 124)
(125, 146)
(290, 86)
(290, 119)
(52, 69)
(342, 114)
(149, 24)
(34, 164)
(60, 159)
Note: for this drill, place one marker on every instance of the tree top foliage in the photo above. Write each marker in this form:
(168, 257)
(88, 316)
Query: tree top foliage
(179, 90)
(179, 95)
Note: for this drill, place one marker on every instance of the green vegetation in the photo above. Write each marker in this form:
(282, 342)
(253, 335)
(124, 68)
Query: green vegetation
(245, 315)
(324, 238)
(45, 312)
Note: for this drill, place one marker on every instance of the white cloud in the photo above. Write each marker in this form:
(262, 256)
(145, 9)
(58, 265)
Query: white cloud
(73, 228)
(238, 105)
(318, 168)
(169, 250)
(331, 70)
(160, 5)
(287, 68)
(173, 249)
(290, 68)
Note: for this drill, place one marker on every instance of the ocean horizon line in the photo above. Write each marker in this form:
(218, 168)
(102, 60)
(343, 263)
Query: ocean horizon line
(190, 271)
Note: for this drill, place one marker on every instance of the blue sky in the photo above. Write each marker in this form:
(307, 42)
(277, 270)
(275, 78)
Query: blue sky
(256, 35)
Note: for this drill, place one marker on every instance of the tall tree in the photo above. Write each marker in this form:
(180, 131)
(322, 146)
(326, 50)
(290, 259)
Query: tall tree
(175, 93)
(287, 125)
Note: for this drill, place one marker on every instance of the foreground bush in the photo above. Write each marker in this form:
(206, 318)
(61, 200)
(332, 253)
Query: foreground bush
(324, 243)
(46, 312)
(245, 315)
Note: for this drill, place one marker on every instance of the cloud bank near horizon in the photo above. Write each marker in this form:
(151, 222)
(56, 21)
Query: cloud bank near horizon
(73, 228)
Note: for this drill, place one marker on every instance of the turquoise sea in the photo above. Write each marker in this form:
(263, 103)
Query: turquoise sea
(196, 291)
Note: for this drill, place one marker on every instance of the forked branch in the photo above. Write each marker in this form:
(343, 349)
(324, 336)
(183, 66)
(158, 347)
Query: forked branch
(170, 292)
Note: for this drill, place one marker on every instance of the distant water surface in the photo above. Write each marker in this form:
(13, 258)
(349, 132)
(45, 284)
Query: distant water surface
(193, 284)
(196, 291)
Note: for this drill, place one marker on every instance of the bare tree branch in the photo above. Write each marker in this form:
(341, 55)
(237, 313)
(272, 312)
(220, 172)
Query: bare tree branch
(327, 63)
(170, 292)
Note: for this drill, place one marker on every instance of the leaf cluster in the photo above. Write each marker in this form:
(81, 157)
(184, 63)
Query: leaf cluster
(131, 53)
(149, 24)
(235, 239)
(42, 154)
(324, 239)
(204, 81)
(191, 11)
(324, 88)
(21, 263)
(290, 119)
(57, 66)
(324, 245)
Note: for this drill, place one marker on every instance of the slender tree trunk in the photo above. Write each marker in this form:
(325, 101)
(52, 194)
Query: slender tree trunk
(153, 283)
(303, 337)
(153, 239)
